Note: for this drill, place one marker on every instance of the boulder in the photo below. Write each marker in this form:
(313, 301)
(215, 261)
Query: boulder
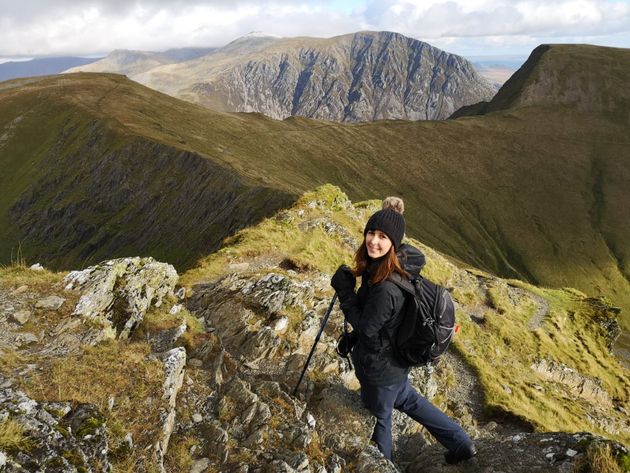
(165, 340)
(50, 303)
(21, 316)
(119, 292)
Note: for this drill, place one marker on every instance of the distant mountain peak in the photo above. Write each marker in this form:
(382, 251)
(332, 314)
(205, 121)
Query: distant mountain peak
(357, 77)
(260, 34)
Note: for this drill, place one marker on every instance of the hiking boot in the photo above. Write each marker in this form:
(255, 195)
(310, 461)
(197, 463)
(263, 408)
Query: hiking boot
(464, 452)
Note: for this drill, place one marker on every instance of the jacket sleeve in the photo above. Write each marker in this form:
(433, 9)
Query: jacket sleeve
(383, 302)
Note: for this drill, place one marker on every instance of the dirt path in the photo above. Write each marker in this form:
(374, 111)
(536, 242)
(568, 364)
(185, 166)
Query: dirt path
(467, 395)
(542, 310)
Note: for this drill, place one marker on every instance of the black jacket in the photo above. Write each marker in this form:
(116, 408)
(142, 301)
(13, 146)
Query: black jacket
(374, 312)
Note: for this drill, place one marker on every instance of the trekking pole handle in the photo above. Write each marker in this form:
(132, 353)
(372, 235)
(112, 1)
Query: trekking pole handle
(319, 334)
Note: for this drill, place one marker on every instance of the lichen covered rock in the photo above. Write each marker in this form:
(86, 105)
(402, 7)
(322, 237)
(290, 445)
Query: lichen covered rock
(52, 436)
(119, 292)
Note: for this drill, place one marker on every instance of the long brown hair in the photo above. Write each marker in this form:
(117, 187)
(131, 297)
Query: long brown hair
(389, 263)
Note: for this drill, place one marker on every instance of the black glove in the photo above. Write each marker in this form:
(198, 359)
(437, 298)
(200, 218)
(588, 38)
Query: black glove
(343, 281)
(345, 343)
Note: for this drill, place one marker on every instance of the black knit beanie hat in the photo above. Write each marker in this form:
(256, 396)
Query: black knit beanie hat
(389, 222)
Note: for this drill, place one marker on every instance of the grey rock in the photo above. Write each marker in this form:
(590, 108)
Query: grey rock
(21, 316)
(26, 338)
(71, 335)
(280, 324)
(195, 362)
(310, 420)
(196, 418)
(174, 363)
(300, 462)
(255, 438)
(78, 430)
(199, 466)
(217, 440)
(176, 309)
(119, 292)
(165, 339)
(50, 303)
(279, 466)
(248, 414)
(580, 385)
(371, 460)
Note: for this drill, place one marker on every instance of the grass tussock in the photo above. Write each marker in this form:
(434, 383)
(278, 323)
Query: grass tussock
(600, 458)
(16, 275)
(178, 456)
(13, 436)
(11, 359)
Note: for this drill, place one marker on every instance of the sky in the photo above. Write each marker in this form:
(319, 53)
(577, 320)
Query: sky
(472, 28)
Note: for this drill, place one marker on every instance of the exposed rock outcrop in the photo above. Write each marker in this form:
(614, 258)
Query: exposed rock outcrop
(174, 363)
(581, 386)
(119, 292)
(51, 436)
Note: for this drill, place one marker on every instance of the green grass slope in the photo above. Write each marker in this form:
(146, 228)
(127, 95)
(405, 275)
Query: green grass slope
(536, 191)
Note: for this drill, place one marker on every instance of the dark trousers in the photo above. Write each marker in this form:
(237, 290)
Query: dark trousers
(381, 400)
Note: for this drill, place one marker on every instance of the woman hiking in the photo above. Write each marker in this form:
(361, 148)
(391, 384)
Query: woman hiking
(374, 311)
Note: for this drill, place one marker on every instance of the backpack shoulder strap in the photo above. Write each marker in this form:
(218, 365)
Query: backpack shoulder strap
(404, 284)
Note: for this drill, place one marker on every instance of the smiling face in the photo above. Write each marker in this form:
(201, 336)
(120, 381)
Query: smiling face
(377, 243)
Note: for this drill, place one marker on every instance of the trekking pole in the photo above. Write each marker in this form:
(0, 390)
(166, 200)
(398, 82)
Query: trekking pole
(319, 334)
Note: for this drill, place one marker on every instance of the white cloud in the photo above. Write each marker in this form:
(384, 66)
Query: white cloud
(37, 27)
(436, 18)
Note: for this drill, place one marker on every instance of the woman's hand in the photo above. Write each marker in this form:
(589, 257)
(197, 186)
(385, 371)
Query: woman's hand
(343, 281)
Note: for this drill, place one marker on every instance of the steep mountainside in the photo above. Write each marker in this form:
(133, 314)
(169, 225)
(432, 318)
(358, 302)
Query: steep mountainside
(357, 77)
(101, 166)
(588, 79)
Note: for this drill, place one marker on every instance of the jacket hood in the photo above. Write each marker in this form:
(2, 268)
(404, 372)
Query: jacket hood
(412, 259)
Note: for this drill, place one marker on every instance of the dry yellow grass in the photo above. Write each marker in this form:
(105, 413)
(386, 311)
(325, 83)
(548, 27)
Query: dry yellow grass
(12, 436)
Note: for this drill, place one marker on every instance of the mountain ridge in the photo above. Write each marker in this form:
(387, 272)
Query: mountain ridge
(355, 77)
(531, 192)
(569, 82)
(40, 66)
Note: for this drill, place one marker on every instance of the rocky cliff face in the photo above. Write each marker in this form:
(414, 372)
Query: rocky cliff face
(359, 77)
